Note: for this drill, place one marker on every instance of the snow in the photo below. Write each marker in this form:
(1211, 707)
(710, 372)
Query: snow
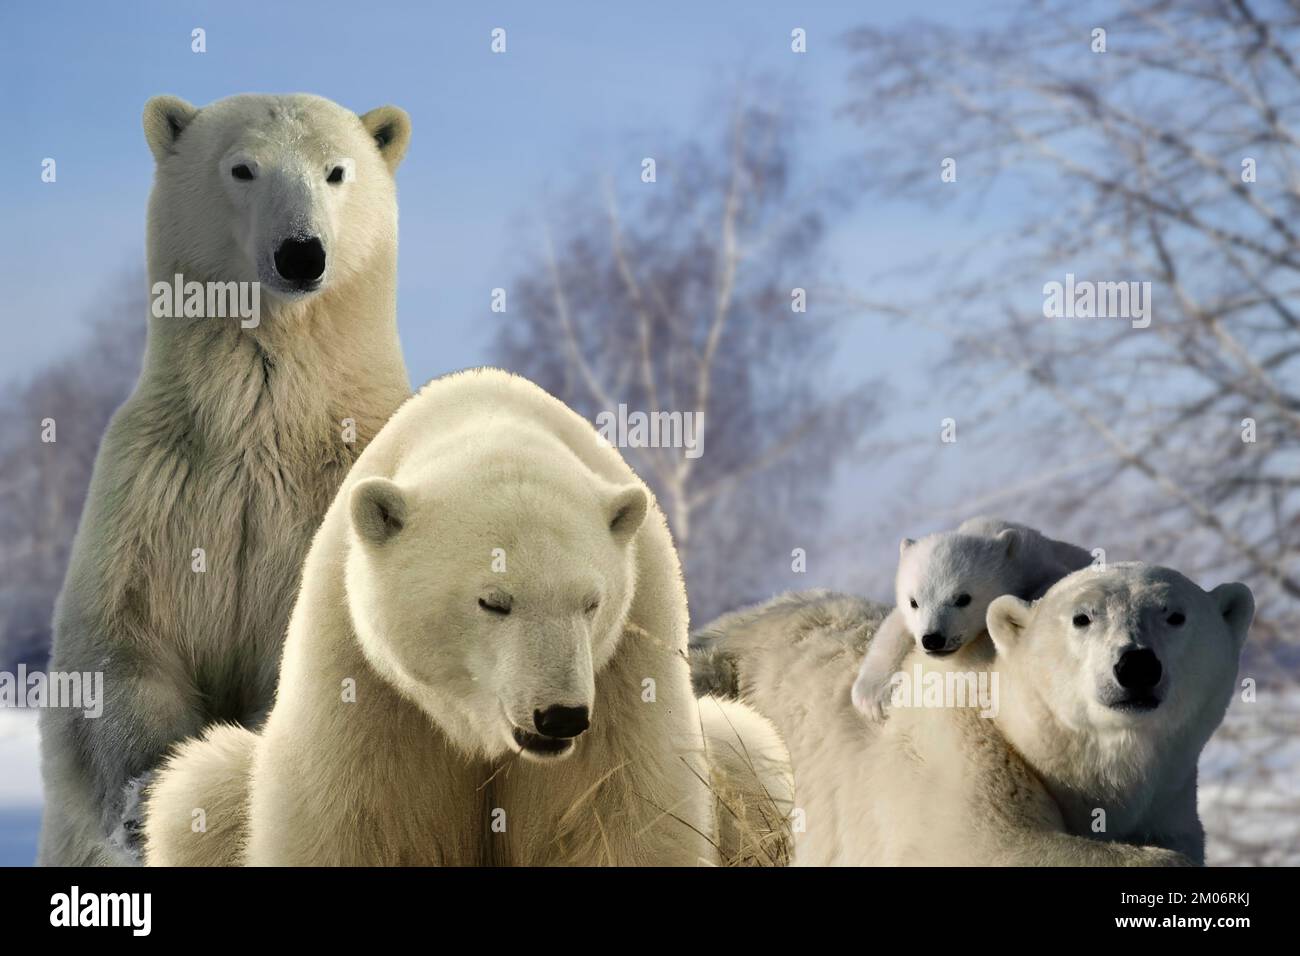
(20, 787)
(20, 761)
(1249, 784)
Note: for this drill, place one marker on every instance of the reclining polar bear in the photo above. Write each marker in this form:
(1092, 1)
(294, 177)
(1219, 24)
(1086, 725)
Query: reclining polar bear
(486, 664)
(1110, 686)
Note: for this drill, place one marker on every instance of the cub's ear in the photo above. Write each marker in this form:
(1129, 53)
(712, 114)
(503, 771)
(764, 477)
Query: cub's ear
(165, 118)
(1009, 538)
(390, 128)
(378, 510)
(1007, 619)
(905, 544)
(1237, 605)
(626, 510)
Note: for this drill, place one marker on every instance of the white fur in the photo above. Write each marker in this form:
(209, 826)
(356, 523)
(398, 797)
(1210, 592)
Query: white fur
(233, 442)
(1062, 705)
(752, 784)
(944, 786)
(951, 577)
(425, 760)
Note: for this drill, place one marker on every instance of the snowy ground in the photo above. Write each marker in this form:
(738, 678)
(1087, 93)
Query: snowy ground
(20, 787)
(1249, 789)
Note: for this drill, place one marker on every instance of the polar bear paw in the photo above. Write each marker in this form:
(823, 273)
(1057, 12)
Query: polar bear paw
(872, 699)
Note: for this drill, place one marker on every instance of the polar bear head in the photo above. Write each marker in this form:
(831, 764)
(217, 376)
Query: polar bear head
(491, 593)
(294, 192)
(1133, 649)
(946, 581)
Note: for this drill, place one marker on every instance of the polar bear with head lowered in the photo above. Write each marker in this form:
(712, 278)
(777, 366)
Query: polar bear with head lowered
(276, 218)
(1111, 685)
(485, 664)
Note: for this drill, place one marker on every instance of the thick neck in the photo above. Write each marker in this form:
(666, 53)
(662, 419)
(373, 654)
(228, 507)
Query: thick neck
(357, 311)
(298, 374)
(1087, 767)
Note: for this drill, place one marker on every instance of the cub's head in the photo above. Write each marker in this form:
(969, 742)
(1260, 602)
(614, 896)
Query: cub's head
(945, 583)
(294, 192)
(493, 598)
(1125, 647)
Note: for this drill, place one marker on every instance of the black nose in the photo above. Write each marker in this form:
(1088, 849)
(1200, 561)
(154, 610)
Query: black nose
(300, 260)
(559, 721)
(1138, 670)
(933, 642)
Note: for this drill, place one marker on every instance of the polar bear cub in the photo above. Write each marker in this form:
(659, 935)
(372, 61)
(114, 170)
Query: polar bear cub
(485, 665)
(943, 589)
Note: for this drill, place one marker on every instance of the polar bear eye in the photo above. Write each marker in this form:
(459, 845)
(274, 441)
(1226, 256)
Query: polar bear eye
(1082, 620)
(1176, 619)
(336, 175)
(912, 602)
(592, 606)
(495, 606)
(962, 600)
(242, 172)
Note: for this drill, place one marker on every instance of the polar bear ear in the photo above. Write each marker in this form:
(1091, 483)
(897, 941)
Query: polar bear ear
(1006, 621)
(378, 510)
(165, 118)
(626, 510)
(1009, 538)
(905, 544)
(1237, 605)
(390, 128)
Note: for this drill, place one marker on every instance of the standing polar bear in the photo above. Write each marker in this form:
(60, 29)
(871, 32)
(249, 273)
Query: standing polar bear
(486, 664)
(215, 473)
(1110, 686)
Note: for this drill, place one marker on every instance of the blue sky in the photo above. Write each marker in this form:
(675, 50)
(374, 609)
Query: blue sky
(586, 89)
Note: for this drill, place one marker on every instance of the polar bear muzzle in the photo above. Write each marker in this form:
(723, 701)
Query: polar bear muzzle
(1138, 672)
(937, 644)
(557, 728)
(301, 262)
(560, 721)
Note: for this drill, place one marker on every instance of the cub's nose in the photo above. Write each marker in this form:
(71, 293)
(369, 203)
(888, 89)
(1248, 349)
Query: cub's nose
(560, 721)
(300, 260)
(1138, 669)
(933, 642)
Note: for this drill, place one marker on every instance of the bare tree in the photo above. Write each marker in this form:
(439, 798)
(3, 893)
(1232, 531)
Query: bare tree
(43, 483)
(1144, 142)
(680, 296)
